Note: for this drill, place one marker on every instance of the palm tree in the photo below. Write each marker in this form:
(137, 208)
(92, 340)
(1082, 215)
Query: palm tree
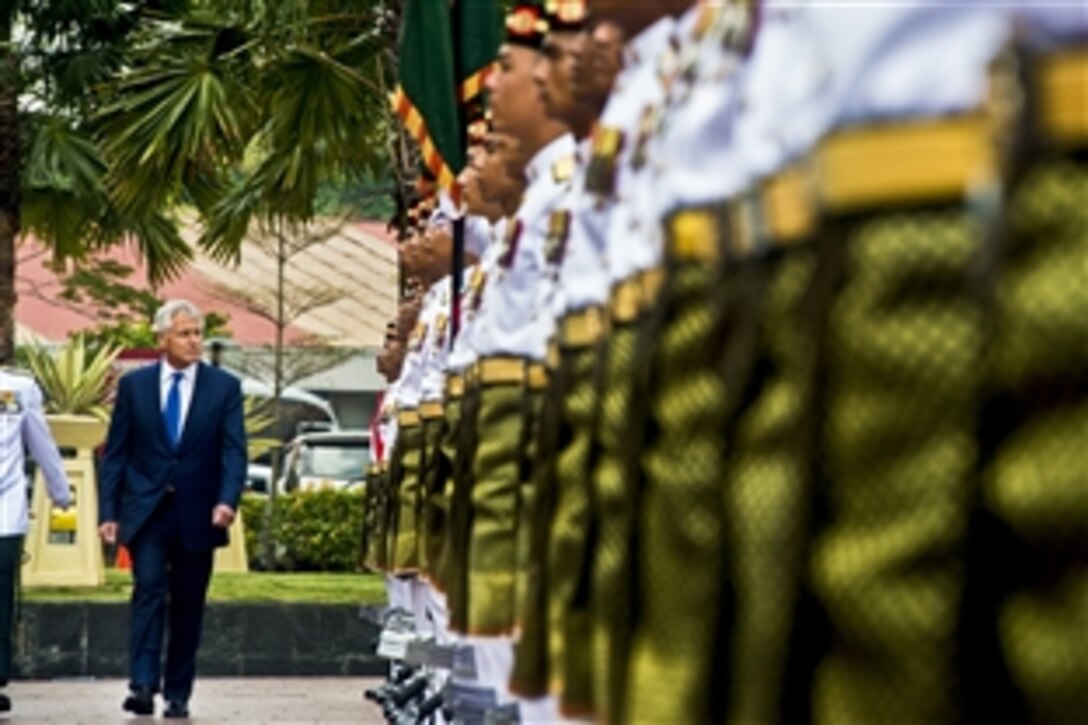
(9, 179)
(115, 114)
(243, 108)
(54, 56)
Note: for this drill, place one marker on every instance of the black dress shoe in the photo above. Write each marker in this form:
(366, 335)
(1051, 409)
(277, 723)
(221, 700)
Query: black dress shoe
(5, 703)
(178, 709)
(141, 701)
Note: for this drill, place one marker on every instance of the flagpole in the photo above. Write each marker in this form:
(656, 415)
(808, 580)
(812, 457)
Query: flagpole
(457, 261)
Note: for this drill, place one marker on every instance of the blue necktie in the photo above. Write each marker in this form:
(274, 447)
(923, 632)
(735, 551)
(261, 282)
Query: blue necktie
(172, 412)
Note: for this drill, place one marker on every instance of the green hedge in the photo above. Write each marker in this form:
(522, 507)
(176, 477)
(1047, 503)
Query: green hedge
(311, 530)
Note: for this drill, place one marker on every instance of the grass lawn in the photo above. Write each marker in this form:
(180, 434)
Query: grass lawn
(254, 587)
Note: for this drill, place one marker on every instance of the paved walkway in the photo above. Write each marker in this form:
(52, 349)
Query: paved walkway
(248, 700)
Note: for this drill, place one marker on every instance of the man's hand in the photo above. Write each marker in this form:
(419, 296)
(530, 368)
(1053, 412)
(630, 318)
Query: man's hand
(108, 532)
(222, 516)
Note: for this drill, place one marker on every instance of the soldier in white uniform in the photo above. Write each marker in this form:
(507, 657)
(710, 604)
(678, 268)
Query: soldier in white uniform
(510, 338)
(1033, 518)
(409, 557)
(388, 364)
(827, 555)
(22, 426)
(563, 437)
(490, 193)
(615, 158)
(679, 401)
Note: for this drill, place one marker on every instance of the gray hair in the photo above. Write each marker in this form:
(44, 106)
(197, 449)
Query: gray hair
(165, 315)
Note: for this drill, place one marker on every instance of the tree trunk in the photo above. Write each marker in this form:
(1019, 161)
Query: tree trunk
(9, 186)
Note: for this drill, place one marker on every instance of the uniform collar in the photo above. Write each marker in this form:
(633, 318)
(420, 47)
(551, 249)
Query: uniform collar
(542, 163)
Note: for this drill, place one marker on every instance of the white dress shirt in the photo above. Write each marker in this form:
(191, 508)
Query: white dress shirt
(583, 277)
(912, 59)
(436, 345)
(516, 319)
(387, 423)
(186, 387)
(463, 352)
(22, 422)
(632, 243)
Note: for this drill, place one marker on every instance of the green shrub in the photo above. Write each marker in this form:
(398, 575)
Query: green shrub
(311, 530)
(253, 513)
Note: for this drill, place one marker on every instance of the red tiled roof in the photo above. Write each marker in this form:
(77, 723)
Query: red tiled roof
(361, 260)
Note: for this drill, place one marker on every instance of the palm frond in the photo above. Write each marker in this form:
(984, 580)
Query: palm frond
(171, 125)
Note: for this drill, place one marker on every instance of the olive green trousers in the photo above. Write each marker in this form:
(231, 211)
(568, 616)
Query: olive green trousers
(409, 499)
(496, 472)
(571, 538)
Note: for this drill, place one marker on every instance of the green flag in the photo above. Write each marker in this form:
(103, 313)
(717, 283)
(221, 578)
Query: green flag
(479, 34)
(425, 99)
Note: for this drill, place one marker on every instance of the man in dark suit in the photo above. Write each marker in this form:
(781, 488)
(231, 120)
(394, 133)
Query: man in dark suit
(169, 486)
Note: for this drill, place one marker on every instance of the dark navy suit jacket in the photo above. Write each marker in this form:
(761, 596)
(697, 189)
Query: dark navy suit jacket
(208, 467)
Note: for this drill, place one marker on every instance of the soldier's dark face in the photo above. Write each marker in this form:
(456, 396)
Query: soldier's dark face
(516, 105)
(388, 360)
(599, 65)
(554, 73)
(439, 250)
(502, 174)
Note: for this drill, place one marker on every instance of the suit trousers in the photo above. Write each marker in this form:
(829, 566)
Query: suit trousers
(11, 549)
(170, 586)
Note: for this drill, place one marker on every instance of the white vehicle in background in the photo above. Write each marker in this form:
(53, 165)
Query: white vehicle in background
(299, 411)
(329, 459)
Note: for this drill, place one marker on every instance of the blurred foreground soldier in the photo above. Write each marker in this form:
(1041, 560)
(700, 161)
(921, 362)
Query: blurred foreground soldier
(898, 575)
(584, 523)
(900, 355)
(1026, 598)
(767, 364)
(679, 400)
(489, 193)
(555, 505)
(511, 339)
(22, 427)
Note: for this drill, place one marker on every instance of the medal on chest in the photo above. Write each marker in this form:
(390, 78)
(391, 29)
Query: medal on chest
(418, 336)
(9, 402)
(558, 233)
(441, 325)
(510, 244)
(476, 289)
(601, 172)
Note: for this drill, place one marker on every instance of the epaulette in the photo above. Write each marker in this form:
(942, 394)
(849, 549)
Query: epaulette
(563, 170)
